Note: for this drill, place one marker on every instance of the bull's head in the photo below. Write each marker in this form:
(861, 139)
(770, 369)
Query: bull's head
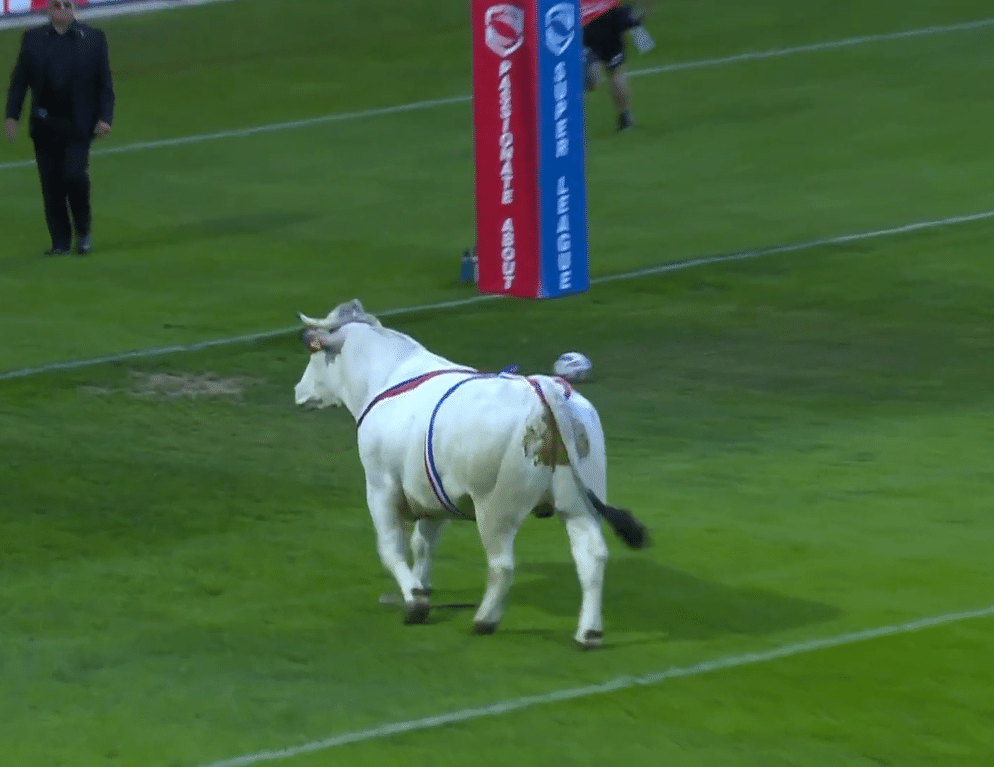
(351, 311)
(320, 385)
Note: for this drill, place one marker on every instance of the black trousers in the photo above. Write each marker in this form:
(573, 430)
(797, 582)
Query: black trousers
(65, 184)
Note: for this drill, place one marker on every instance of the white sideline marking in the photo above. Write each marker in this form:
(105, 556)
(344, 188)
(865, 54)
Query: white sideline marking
(830, 45)
(674, 266)
(620, 683)
(415, 106)
(841, 239)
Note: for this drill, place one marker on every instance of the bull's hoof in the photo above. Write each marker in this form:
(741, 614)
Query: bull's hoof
(484, 628)
(591, 640)
(416, 612)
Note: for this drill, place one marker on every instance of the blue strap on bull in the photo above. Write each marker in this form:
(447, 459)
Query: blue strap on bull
(434, 479)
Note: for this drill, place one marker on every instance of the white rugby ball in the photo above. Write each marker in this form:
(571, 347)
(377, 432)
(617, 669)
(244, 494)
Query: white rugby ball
(573, 366)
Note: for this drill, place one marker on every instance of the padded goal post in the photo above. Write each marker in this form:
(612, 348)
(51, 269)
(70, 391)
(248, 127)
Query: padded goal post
(530, 186)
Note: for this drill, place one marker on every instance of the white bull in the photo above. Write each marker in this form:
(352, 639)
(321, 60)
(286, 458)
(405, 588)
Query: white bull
(440, 441)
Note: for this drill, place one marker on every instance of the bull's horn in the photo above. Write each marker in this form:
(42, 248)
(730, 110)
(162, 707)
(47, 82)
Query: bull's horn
(326, 323)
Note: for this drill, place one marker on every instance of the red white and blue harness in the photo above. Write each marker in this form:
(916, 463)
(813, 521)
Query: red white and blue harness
(434, 479)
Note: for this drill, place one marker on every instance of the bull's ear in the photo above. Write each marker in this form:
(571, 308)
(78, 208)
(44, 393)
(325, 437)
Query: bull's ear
(355, 311)
(349, 311)
(321, 340)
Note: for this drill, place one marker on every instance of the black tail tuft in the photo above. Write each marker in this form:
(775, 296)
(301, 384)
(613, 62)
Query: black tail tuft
(634, 534)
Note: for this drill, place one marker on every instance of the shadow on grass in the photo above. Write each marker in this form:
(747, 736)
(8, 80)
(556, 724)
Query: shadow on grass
(645, 598)
(642, 595)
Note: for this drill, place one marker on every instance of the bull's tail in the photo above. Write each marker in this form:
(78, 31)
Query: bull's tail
(633, 533)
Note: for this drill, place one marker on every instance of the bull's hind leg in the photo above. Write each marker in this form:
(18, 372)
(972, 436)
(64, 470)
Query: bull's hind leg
(424, 539)
(498, 524)
(384, 508)
(590, 555)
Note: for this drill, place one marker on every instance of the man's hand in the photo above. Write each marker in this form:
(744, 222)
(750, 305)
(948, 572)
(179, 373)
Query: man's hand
(102, 129)
(10, 129)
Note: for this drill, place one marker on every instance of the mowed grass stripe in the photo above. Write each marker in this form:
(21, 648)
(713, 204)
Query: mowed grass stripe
(415, 106)
(666, 268)
(619, 683)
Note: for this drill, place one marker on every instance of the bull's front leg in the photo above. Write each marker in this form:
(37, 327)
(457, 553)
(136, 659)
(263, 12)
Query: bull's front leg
(384, 508)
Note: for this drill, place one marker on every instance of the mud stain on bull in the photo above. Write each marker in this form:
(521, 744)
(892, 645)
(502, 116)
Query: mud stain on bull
(543, 443)
(582, 438)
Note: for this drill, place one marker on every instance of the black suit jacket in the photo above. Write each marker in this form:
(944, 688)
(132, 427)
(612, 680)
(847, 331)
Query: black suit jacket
(92, 86)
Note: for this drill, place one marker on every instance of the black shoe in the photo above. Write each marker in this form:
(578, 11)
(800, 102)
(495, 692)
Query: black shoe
(83, 245)
(57, 252)
(625, 121)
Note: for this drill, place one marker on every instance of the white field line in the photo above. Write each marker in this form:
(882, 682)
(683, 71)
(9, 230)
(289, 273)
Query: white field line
(675, 266)
(104, 11)
(620, 683)
(415, 106)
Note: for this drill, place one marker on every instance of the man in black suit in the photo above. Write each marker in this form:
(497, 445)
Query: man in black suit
(66, 65)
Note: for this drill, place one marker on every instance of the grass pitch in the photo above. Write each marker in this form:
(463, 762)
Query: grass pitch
(188, 569)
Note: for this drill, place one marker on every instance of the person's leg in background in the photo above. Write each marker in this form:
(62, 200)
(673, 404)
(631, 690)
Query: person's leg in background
(50, 156)
(620, 95)
(77, 184)
(591, 70)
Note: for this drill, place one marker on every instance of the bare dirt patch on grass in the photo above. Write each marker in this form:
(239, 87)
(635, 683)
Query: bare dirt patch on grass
(187, 385)
(180, 385)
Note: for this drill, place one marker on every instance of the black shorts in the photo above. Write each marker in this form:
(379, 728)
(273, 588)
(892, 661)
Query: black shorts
(604, 36)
